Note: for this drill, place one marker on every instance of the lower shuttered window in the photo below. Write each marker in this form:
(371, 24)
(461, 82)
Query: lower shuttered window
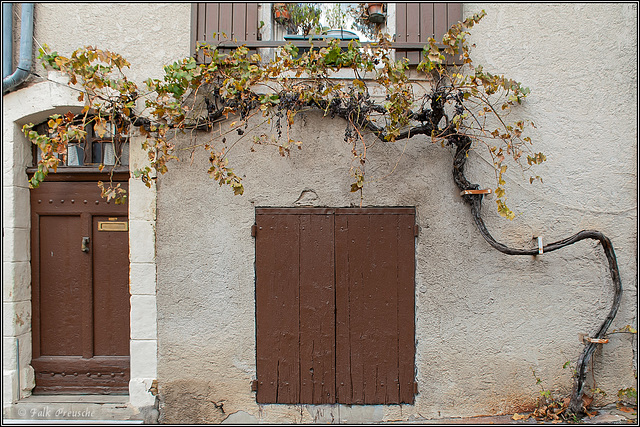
(335, 305)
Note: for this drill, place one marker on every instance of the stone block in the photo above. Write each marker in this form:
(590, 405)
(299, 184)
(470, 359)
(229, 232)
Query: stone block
(15, 206)
(25, 350)
(144, 359)
(240, 417)
(16, 318)
(15, 245)
(140, 392)
(13, 173)
(356, 414)
(138, 157)
(143, 317)
(142, 279)
(9, 387)
(142, 241)
(142, 201)
(9, 353)
(16, 281)
(61, 95)
(27, 380)
(15, 155)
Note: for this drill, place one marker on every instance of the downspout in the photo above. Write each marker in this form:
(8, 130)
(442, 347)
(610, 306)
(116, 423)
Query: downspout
(26, 48)
(7, 39)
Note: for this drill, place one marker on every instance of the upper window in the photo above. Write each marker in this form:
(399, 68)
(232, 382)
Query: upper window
(335, 305)
(410, 24)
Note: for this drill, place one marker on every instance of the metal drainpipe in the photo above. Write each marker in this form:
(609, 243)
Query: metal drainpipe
(7, 39)
(26, 49)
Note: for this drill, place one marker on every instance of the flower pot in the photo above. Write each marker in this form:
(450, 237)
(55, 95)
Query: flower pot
(280, 13)
(376, 13)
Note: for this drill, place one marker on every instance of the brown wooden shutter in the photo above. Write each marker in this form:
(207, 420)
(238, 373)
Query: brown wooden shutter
(374, 307)
(416, 22)
(295, 308)
(235, 20)
(335, 305)
(317, 309)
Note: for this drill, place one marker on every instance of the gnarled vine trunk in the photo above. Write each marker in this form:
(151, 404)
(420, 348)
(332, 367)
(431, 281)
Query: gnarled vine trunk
(463, 144)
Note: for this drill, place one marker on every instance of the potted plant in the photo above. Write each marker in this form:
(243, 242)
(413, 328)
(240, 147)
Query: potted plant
(281, 13)
(375, 12)
(368, 19)
(303, 18)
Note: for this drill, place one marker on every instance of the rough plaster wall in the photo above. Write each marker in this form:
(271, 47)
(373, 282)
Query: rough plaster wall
(580, 60)
(148, 35)
(483, 320)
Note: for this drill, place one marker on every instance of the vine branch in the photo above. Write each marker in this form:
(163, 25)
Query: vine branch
(463, 145)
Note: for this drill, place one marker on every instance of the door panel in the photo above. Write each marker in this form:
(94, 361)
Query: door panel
(80, 291)
(60, 285)
(317, 310)
(110, 289)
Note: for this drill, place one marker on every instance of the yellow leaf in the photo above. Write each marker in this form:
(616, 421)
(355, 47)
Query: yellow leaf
(517, 416)
(100, 129)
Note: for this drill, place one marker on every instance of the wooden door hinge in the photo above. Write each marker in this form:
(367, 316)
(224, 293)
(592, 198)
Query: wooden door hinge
(415, 387)
(416, 230)
(254, 230)
(254, 385)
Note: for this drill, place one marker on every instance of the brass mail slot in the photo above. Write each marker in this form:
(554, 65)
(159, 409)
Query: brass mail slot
(113, 226)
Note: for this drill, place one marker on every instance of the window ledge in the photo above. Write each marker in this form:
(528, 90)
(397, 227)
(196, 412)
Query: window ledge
(90, 173)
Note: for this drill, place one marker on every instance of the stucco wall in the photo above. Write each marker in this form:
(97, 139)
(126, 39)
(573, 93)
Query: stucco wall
(484, 320)
(148, 35)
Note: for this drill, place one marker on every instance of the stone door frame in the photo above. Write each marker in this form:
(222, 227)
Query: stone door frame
(34, 104)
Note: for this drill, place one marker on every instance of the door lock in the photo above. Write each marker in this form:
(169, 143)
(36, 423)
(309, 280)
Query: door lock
(85, 244)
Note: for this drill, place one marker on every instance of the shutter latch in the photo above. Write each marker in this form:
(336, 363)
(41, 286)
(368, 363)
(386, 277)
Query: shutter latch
(254, 383)
(254, 229)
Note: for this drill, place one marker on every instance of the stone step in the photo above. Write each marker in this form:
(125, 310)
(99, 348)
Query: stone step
(7, 421)
(72, 409)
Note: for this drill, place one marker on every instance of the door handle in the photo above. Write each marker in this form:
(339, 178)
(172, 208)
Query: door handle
(85, 244)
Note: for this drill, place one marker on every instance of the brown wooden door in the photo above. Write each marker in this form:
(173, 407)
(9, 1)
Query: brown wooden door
(80, 290)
